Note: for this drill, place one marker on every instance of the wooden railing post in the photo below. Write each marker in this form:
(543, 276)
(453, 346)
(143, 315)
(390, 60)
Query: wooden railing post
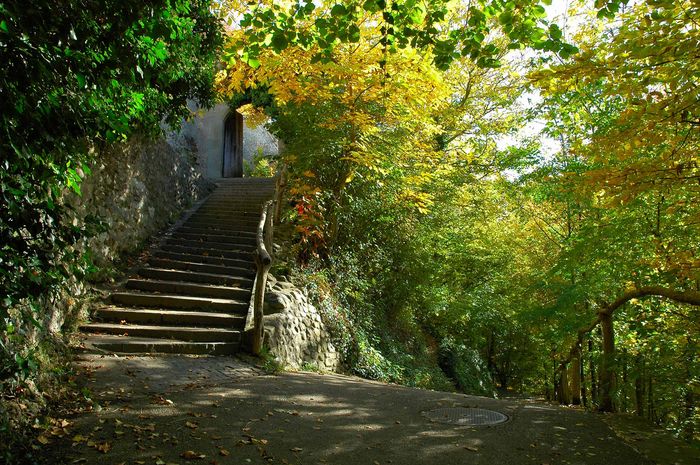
(263, 262)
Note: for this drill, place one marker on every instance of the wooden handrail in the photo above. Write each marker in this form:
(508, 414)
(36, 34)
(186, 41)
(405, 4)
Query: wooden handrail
(263, 235)
(263, 262)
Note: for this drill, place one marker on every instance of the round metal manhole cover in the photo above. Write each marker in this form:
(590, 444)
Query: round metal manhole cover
(465, 416)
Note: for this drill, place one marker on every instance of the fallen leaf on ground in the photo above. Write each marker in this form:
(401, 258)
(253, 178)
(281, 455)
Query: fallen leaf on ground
(161, 401)
(103, 447)
(191, 425)
(224, 452)
(192, 455)
(296, 449)
(473, 449)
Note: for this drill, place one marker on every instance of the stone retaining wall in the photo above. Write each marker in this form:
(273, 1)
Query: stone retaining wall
(294, 330)
(136, 188)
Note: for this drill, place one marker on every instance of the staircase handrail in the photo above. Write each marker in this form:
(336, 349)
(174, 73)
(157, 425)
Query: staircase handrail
(263, 262)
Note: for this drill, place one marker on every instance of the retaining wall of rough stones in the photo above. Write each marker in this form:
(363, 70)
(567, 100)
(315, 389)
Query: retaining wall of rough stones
(294, 330)
(136, 188)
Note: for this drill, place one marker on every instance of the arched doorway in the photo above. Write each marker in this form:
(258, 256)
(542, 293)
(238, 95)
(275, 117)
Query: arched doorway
(233, 146)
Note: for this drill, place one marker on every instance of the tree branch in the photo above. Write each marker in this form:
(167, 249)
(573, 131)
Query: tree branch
(684, 297)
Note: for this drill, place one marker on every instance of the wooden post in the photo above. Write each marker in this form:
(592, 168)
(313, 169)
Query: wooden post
(259, 301)
(263, 262)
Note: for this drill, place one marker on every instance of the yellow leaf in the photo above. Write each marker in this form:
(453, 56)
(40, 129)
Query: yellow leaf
(103, 447)
(192, 455)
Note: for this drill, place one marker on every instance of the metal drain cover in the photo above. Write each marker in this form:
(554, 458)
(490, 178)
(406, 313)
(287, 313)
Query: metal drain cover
(465, 416)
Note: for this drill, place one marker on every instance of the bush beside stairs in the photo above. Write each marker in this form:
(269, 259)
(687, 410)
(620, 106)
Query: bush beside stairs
(192, 296)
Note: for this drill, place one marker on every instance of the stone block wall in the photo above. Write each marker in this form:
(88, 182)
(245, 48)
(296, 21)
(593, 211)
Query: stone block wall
(136, 188)
(294, 330)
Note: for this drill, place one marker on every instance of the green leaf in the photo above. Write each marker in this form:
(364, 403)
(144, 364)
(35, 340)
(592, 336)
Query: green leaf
(417, 15)
(373, 6)
(506, 17)
(338, 10)
(554, 32)
(353, 33)
(3, 26)
(278, 42)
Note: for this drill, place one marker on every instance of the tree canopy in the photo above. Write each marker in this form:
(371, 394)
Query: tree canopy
(482, 197)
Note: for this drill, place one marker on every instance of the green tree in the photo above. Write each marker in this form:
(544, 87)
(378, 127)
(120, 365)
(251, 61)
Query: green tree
(77, 75)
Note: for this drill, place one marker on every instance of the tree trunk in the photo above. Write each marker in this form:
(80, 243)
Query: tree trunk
(650, 400)
(582, 377)
(564, 393)
(490, 350)
(592, 373)
(576, 376)
(639, 387)
(555, 379)
(689, 400)
(607, 368)
(548, 394)
(624, 380)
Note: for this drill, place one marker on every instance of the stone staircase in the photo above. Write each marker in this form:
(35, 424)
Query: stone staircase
(192, 295)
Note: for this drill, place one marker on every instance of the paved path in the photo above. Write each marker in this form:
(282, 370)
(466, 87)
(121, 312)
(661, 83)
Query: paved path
(222, 410)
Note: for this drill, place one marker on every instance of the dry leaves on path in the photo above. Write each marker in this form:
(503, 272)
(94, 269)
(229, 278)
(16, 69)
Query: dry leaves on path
(192, 455)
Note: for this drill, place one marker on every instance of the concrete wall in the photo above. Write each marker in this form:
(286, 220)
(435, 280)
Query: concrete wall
(207, 132)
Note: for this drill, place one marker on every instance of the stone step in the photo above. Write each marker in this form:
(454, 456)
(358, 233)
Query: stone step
(248, 208)
(184, 229)
(246, 239)
(210, 245)
(205, 304)
(232, 207)
(224, 210)
(182, 333)
(225, 218)
(196, 277)
(237, 203)
(224, 223)
(239, 195)
(232, 271)
(209, 252)
(219, 226)
(221, 261)
(189, 289)
(134, 345)
(170, 317)
(261, 189)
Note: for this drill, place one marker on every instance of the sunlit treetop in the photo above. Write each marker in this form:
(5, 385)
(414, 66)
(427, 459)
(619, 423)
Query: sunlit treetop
(418, 24)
